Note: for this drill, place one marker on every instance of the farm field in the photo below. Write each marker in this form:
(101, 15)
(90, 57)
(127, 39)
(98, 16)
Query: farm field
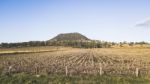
(113, 64)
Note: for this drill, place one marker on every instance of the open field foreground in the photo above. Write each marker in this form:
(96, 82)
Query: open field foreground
(73, 65)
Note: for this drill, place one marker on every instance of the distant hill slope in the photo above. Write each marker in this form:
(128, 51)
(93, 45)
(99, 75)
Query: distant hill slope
(70, 37)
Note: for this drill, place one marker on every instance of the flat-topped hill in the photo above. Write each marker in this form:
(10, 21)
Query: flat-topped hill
(70, 37)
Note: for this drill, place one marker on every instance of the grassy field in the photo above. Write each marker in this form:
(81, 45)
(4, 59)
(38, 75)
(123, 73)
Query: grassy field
(51, 65)
(23, 78)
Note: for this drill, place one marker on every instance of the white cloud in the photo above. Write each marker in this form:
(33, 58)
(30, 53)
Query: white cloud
(145, 23)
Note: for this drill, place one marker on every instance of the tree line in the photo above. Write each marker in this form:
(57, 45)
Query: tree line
(68, 43)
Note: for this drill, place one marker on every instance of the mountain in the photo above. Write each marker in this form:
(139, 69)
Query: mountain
(70, 37)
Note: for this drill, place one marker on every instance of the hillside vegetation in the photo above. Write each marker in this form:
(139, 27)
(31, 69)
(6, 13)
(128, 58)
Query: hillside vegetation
(70, 37)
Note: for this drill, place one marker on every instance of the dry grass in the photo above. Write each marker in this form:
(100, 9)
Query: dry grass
(113, 61)
(30, 50)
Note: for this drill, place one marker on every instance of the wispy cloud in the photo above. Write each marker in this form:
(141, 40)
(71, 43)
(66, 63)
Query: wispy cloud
(145, 23)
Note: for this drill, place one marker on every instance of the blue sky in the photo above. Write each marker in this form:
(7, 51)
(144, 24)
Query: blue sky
(109, 20)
